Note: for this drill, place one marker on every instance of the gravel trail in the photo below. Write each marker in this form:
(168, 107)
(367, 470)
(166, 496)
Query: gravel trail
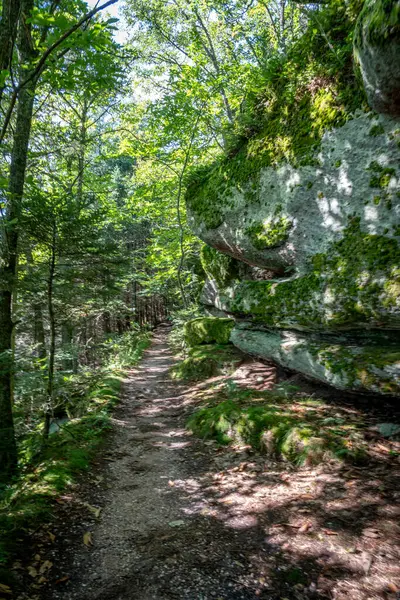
(183, 519)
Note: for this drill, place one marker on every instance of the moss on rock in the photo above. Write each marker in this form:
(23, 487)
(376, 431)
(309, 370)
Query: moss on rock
(356, 282)
(376, 49)
(378, 21)
(307, 92)
(373, 368)
(269, 233)
(207, 361)
(218, 266)
(286, 428)
(208, 330)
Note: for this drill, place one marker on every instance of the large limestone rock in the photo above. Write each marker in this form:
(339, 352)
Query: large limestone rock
(292, 214)
(345, 364)
(306, 256)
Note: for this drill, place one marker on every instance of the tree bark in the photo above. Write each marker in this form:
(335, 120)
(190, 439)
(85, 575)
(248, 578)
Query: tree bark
(8, 33)
(8, 271)
(52, 345)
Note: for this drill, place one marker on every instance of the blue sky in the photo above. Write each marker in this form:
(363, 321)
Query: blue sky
(113, 11)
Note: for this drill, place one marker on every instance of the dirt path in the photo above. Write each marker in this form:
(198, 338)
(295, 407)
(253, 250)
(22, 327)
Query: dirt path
(182, 519)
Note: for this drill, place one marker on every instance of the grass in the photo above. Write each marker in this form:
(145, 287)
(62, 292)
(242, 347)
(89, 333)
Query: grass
(206, 361)
(27, 502)
(298, 429)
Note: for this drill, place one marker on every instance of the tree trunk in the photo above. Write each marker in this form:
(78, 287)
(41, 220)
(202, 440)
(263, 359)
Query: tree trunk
(19, 153)
(52, 346)
(8, 32)
(39, 334)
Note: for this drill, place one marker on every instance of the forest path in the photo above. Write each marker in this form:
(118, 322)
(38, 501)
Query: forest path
(184, 519)
(156, 537)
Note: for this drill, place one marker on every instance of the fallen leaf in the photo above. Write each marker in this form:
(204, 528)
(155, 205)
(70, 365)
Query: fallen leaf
(176, 523)
(5, 589)
(42, 580)
(171, 483)
(392, 587)
(87, 539)
(62, 579)
(52, 537)
(95, 510)
(32, 572)
(46, 566)
(305, 527)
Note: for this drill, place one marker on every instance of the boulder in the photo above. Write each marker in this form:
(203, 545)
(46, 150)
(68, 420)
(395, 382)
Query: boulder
(349, 366)
(302, 220)
(377, 51)
(294, 213)
(208, 330)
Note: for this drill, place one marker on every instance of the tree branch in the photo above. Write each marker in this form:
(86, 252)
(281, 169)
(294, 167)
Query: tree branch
(36, 72)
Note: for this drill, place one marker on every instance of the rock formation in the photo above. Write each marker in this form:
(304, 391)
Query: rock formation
(303, 243)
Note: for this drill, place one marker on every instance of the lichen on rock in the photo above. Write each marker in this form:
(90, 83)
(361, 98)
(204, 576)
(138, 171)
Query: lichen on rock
(338, 362)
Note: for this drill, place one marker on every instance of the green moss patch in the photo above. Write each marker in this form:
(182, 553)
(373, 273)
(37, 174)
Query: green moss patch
(218, 266)
(207, 361)
(208, 330)
(270, 233)
(363, 366)
(356, 281)
(378, 20)
(299, 430)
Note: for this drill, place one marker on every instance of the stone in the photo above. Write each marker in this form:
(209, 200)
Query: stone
(356, 367)
(388, 430)
(358, 174)
(302, 223)
(208, 330)
(377, 51)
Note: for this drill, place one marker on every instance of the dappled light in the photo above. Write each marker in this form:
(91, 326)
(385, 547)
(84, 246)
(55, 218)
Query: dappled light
(199, 300)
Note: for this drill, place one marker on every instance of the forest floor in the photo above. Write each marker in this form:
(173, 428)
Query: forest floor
(185, 519)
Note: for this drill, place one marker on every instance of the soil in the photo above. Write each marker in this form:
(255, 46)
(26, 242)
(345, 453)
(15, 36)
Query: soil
(185, 519)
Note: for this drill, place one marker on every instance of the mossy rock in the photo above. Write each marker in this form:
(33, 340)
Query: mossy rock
(377, 50)
(207, 361)
(218, 266)
(355, 284)
(283, 427)
(208, 330)
(343, 364)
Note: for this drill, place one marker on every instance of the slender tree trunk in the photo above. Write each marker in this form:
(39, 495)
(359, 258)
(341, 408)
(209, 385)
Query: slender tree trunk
(52, 346)
(8, 449)
(39, 333)
(210, 51)
(39, 336)
(67, 336)
(107, 323)
(82, 150)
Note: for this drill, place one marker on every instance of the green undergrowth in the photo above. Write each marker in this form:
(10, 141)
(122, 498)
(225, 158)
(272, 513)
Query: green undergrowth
(46, 470)
(207, 361)
(301, 430)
